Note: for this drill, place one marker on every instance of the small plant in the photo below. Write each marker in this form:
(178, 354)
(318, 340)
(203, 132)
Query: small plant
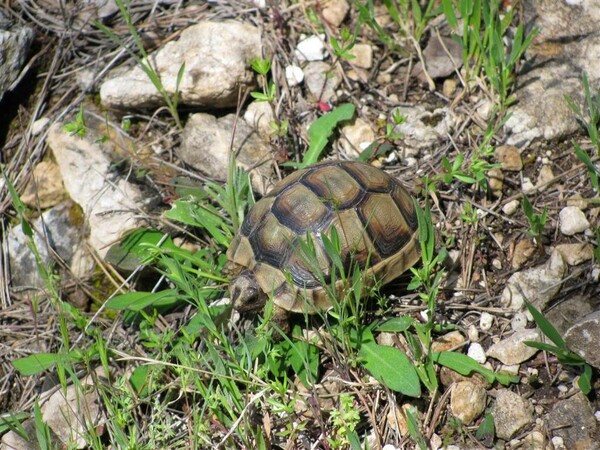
(537, 222)
(342, 46)
(560, 349)
(591, 121)
(484, 28)
(344, 421)
(591, 117)
(145, 63)
(262, 67)
(78, 126)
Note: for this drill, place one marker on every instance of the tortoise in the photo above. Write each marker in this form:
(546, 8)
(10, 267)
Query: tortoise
(374, 217)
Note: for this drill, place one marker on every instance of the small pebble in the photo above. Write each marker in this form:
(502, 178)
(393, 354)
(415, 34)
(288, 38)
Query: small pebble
(477, 352)
(527, 185)
(562, 388)
(497, 264)
(558, 443)
(518, 322)
(572, 221)
(294, 75)
(510, 369)
(473, 333)
(510, 158)
(486, 321)
(511, 207)
(311, 49)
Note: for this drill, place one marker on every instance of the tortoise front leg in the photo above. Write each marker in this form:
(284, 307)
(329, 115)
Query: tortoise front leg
(281, 319)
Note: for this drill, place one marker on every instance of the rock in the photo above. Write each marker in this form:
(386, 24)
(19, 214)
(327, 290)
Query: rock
(559, 56)
(294, 75)
(583, 338)
(259, 115)
(538, 285)
(511, 413)
(311, 48)
(355, 137)
(206, 144)
(496, 181)
(442, 58)
(448, 341)
(45, 188)
(524, 250)
(57, 229)
(511, 207)
(323, 398)
(535, 440)
(577, 200)
(334, 11)
(70, 414)
(544, 178)
(396, 418)
(572, 220)
(39, 125)
(321, 81)
(449, 377)
(573, 420)
(13, 441)
(509, 157)
(467, 401)
(568, 312)
(358, 74)
(486, 321)
(216, 57)
(423, 128)
(110, 203)
(512, 350)
(15, 41)
(575, 254)
(477, 352)
(449, 87)
(542, 110)
(363, 56)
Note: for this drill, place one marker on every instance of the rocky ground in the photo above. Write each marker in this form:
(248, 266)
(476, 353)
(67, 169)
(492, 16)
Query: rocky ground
(95, 150)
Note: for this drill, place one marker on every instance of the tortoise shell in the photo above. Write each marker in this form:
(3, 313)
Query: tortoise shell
(374, 217)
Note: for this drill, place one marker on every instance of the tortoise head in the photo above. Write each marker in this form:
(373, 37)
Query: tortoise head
(245, 293)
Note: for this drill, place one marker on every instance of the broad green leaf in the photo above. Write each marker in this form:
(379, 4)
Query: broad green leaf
(322, 128)
(36, 363)
(414, 429)
(137, 247)
(486, 430)
(136, 301)
(304, 359)
(138, 380)
(465, 365)
(390, 367)
(396, 324)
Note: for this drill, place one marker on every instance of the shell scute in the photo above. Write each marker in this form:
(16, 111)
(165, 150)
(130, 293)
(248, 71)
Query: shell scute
(334, 186)
(370, 177)
(385, 224)
(271, 241)
(300, 209)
